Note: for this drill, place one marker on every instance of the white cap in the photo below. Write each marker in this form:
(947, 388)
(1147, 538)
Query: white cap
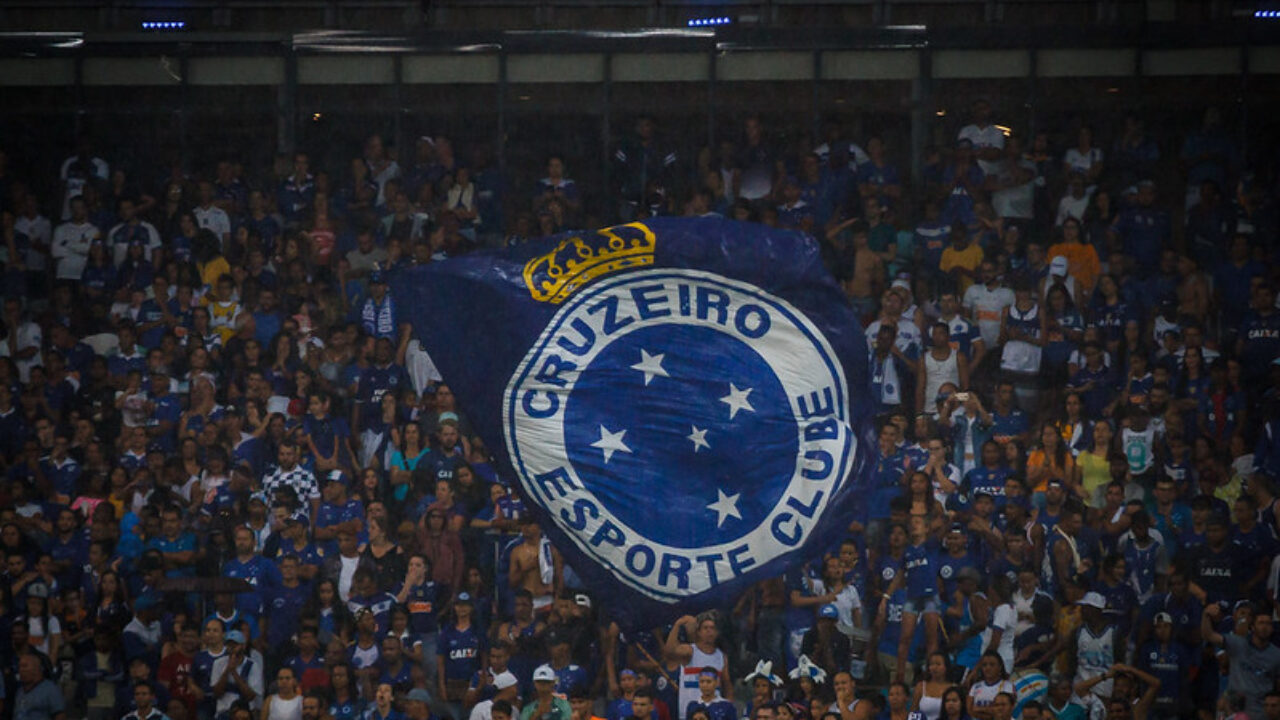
(544, 673)
(505, 679)
(1058, 265)
(1094, 600)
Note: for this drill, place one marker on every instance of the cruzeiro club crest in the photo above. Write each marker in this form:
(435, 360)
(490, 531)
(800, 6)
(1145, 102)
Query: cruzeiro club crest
(680, 427)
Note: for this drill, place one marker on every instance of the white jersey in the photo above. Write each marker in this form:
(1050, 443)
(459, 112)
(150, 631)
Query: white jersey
(1004, 618)
(1138, 448)
(689, 691)
(984, 693)
(1095, 654)
(1021, 356)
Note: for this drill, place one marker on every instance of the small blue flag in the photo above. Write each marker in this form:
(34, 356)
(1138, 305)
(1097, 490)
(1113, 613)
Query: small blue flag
(679, 399)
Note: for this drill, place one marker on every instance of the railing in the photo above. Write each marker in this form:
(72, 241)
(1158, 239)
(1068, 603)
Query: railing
(390, 15)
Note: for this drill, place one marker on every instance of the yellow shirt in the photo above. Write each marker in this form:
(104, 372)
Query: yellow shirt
(212, 270)
(1082, 262)
(1095, 472)
(969, 259)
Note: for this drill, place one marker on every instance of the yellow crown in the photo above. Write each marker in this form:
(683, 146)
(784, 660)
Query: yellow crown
(576, 261)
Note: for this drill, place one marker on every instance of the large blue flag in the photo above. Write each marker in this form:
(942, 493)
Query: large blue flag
(681, 400)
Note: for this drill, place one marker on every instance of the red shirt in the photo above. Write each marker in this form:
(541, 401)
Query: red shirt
(175, 671)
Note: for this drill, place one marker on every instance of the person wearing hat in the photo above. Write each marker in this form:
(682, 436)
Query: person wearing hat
(460, 653)
(417, 705)
(142, 637)
(1058, 276)
(1092, 650)
(1081, 260)
(237, 674)
(1255, 661)
(793, 212)
(560, 649)
(823, 643)
(545, 703)
(505, 689)
(1167, 659)
(290, 538)
(338, 512)
(378, 312)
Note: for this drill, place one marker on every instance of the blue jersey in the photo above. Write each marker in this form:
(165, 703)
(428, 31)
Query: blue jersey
(1145, 232)
(1261, 337)
(619, 709)
(886, 483)
(931, 239)
(892, 632)
(1121, 602)
(921, 565)
(988, 480)
(1006, 427)
(374, 382)
(460, 651)
(570, 677)
(260, 572)
(150, 313)
(168, 409)
(949, 568)
(202, 669)
(282, 606)
(1141, 564)
(327, 434)
(62, 476)
(717, 709)
(423, 604)
(121, 365)
(352, 709)
(1169, 664)
(1111, 319)
(186, 542)
(329, 515)
(1185, 612)
(887, 568)
(963, 336)
(380, 604)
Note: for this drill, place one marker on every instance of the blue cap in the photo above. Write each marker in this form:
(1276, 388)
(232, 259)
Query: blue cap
(145, 601)
(463, 598)
(235, 636)
(337, 476)
(829, 611)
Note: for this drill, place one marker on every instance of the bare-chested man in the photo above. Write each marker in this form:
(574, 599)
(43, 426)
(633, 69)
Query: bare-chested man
(535, 566)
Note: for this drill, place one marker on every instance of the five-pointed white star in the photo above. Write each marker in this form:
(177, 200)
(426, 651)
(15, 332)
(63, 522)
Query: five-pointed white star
(725, 506)
(737, 400)
(650, 365)
(610, 442)
(698, 438)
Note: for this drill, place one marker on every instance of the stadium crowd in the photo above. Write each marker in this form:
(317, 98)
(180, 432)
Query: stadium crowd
(1073, 510)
